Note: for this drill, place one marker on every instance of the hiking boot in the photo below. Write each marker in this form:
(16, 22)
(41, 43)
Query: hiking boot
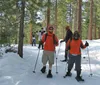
(79, 78)
(68, 74)
(49, 75)
(43, 69)
(63, 60)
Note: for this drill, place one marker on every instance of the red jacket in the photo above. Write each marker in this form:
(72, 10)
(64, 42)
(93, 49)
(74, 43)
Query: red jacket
(74, 46)
(49, 42)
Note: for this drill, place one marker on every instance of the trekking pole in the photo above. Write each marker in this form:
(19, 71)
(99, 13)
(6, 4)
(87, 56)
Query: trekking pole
(67, 61)
(36, 61)
(89, 62)
(56, 60)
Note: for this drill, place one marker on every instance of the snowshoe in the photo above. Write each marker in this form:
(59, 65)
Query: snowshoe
(63, 60)
(79, 79)
(68, 74)
(43, 69)
(49, 75)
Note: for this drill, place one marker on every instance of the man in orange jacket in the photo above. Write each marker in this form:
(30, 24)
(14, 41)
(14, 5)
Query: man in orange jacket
(50, 41)
(74, 46)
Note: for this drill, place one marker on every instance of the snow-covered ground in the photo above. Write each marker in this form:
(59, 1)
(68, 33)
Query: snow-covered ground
(17, 71)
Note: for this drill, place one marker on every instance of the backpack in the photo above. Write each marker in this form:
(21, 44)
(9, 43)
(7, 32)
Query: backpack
(54, 41)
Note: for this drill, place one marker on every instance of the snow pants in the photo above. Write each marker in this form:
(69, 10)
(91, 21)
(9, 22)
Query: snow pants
(40, 44)
(34, 42)
(66, 52)
(74, 59)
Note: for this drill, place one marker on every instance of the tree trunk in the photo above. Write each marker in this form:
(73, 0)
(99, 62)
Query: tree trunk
(21, 34)
(75, 16)
(56, 17)
(79, 20)
(30, 32)
(91, 21)
(70, 16)
(95, 10)
(94, 31)
(48, 15)
(99, 32)
(16, 38)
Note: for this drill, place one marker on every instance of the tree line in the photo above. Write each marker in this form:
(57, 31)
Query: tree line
(18, 19)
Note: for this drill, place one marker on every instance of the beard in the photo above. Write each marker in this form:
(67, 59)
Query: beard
(76, 37)
(50, 32)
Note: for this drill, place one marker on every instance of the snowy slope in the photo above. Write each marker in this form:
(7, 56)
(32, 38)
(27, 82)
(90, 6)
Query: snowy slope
(17, 71)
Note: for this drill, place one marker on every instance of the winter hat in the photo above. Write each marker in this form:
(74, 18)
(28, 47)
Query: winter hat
(76, 35)
(67, 27)
(51, 28)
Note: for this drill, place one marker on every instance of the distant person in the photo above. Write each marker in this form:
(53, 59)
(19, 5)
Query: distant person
(39, 35)
(39, 39)
(67, 37)
(74, 46)
(50, 41)
(33, 40)
(41, 32)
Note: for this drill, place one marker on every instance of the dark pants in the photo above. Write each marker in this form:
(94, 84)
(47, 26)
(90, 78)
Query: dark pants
(34, 42)
(66, 52)
(40, 44)
(74, 59)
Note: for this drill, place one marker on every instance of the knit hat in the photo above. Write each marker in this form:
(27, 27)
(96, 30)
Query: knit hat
(67, 27)
(51, 28)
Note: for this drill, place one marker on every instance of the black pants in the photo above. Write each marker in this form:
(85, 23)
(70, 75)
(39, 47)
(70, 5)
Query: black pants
(66, 55)
(40, 44)
(34, 42)
(74, 59)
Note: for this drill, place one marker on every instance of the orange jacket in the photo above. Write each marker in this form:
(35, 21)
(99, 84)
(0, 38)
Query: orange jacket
(75, 46)
(49, 43)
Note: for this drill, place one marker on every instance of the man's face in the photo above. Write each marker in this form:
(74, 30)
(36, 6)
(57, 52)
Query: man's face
(50, 30)
(76, 36)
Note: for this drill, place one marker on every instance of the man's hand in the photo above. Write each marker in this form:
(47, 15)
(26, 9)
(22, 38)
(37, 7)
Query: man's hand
(61, 41)
(86, 44)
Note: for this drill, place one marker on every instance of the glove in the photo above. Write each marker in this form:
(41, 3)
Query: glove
(86, 44)
(61, 41)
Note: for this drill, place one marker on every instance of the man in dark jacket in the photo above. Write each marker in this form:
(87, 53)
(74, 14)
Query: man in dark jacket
(67, 37)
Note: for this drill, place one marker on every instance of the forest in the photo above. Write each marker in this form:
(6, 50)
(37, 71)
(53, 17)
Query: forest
(20, 19)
